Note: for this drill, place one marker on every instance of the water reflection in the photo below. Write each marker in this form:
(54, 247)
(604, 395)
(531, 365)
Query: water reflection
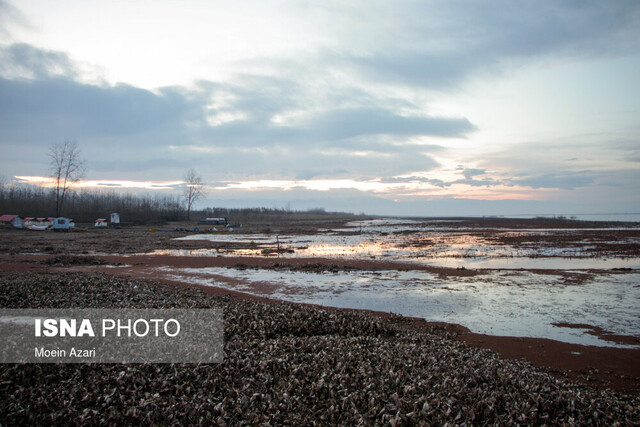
(495, 302)
(528, 280)
(403, 240)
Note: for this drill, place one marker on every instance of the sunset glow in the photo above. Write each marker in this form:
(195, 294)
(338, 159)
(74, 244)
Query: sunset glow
(408, 108)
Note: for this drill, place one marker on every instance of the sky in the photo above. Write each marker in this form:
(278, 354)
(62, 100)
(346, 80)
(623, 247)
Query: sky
(416, 108)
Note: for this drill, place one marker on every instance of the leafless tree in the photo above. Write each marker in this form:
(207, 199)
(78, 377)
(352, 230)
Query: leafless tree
(193, 190)
(67, 168)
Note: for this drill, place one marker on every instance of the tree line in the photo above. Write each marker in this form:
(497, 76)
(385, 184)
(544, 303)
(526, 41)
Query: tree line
(67, 168)
(87, 206)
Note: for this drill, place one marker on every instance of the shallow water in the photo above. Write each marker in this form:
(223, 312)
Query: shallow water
(520, 290)
(433, 242)
(505, 303)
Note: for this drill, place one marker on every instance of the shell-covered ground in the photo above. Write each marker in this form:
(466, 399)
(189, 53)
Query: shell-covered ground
(286, 364)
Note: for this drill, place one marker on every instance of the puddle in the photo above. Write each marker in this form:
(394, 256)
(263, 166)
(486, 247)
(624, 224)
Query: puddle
(380, 252)
(528, 263)
(437, 243)
(510, 296)
(497, 303)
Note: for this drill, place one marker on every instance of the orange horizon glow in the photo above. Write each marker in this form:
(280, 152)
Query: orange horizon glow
(392, 191)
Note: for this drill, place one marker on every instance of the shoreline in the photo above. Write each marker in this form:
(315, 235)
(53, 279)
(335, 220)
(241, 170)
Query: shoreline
(286, 363)
(599, 367)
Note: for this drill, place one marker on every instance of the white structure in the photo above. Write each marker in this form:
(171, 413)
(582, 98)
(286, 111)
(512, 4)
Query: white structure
(44, 222)
(61, 224)
(115, 219)
(214, 221)
(100, 223)
(13, 220)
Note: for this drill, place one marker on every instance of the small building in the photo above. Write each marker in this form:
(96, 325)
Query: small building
(29, 221)
(44, 222)
(61, 224)
(213, 221)
(100, 223)
(14, 221)
(115, 219)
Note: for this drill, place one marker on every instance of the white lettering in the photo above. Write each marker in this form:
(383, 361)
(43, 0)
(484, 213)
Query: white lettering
(50, 327)
(156, 322)
(126, 327)
(105, 328)
(45, 352)
(79, 352)
(67, 327)
(135, 328)
(140, 327)
(166, 327)
(86, 329)
(63, 328)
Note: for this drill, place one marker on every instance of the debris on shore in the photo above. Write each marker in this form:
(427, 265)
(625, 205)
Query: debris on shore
(65, 260)
(286, 364)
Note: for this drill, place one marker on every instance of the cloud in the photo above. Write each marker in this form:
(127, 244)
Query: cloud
(258, 101)
(352, 104)
(47, 107)
(471, 172)
(459, 39)
(10, 16)
(416, 179)
(562, 180)
(350, 123)
(20, 60)
(131, 129)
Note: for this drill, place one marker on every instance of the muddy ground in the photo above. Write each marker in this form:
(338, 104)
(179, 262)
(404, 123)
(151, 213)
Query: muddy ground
(287, 364)
(600, 367)
(597, 237)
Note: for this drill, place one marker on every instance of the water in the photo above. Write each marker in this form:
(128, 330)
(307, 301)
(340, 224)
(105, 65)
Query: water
(495, 302)
(546, 277)
(606, 217)
(436, 243)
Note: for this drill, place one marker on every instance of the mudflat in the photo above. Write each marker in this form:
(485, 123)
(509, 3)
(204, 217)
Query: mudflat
(32, 264)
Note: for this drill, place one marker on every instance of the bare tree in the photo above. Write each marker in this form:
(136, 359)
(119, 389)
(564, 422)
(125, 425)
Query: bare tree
(67, 168)
(193, 190)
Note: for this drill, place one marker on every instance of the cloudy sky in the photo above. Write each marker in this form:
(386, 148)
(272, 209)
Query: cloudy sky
(440, 107)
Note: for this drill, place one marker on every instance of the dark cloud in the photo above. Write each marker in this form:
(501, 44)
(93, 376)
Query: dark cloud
(301, 163)
(461, 38)
(343, 124)
(355, 117)
(414, 179)
(153, 162)
(49, 109)
(562, 180)
(319, 173)
(470, 172)
(486, 182)
(20, 59)
(127, 129)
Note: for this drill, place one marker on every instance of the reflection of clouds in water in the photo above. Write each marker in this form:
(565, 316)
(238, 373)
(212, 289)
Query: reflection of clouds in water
(427, 242)
(497, 302)
(508, 302)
